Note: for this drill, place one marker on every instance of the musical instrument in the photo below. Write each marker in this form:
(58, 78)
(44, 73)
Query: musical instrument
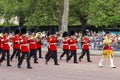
(1, 34)
(32, 37)
(38, 36)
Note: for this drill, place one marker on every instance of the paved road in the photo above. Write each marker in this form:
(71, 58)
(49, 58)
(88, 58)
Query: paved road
(65, 71)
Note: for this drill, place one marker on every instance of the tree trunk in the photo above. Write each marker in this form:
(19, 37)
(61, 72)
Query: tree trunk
(60, 16)
(21, 22)
(83, 21)
(64, 26)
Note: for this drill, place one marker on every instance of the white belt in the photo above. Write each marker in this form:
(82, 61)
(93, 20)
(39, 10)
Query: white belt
(24, 45)
(5, 43)
(32, 42)
(72, 44)
(52, 43)
(8, 43)
(86, 44)
(65, 44)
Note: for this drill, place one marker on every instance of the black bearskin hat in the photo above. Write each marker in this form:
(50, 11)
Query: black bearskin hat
(23, 31)
(52, 31)
(1, 30)
(48, 33)
(32, 30)
(84, 33)
(65, 34)
(17, 31)
(72, 33)
(6, 30)
(107, 32)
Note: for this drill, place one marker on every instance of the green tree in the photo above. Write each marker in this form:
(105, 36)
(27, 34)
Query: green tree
(51, 12)
(20, 8)
(95, 12)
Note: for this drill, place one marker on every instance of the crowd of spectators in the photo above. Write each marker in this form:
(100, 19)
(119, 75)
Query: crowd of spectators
(96, 39)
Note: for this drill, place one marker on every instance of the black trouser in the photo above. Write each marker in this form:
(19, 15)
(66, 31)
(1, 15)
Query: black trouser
(3, 56)
(0, 50)
(66, 51)
(27, 58)
(17, 53)
(33, 52)
(47, 54)
(40, 54)
(53, 54)
(83, 54)
(73, 53)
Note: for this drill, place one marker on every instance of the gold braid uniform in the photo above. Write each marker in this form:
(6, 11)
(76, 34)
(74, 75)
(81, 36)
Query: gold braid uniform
(107, 49)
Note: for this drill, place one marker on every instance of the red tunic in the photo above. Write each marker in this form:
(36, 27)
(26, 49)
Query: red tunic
(52, 43)
(48, 43)
(65, 44)
(16, 43)
(72, 44)
(85, 43)
(0, 42)
(24, 45)
(38, 44)
(32, 44)
(5, 45)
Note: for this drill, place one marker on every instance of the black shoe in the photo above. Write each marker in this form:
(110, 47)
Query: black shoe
(29, 67)
(57, 64)
(9, 65)
(35, 62)
(113, 67)
(100, 66)
(41, 57)
(19, 66)
(89, 61)
(76, 62)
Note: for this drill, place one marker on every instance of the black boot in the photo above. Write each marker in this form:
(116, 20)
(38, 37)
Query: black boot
(19, 66)
(57, 64)
(89, 61)
(9, 65)
(29, 67)
(80, 59)
(36, 62)
(76, 62)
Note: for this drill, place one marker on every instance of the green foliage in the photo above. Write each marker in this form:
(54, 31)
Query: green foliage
(97, 12)
(48, 12)
(44, 13)
(104, 12)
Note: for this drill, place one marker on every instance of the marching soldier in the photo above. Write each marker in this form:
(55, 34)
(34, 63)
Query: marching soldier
(85, 48)
(72, 46)
(5, 46)
(24, 47)
(65, 46)
(33, 45)
(52, 47)
(16, 44)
